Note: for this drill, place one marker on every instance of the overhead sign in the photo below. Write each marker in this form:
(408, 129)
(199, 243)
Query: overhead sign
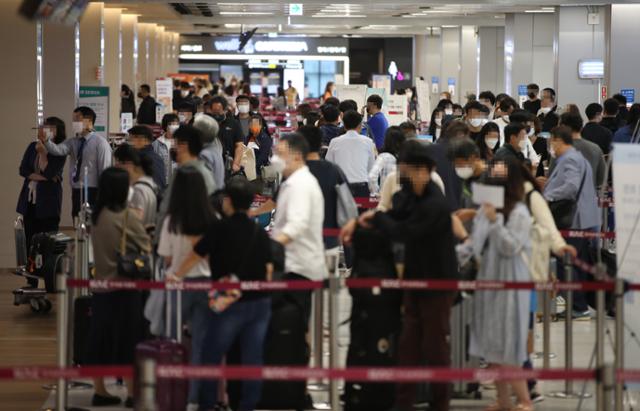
(626, 188)
(435, 84)
(522, 93)
(295, 9)
(97, 99)
(355, 92)
(194, 45)
(451, 81)
(630, 94)
(164, 98)
(396, 109)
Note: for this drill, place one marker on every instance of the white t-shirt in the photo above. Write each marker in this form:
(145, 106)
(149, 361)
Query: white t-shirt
(178, 247)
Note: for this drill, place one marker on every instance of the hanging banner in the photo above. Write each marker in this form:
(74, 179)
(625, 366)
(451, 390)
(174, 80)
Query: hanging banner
(97, 99)
(355, 92)
(164, 98)
(435, 84)
(522, 94)
(451, 81)
(626, 189)
(396, 109)
(424, 102)
(126, 122)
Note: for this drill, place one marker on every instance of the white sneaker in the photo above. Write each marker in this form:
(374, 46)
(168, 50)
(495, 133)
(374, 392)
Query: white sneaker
(560, 301)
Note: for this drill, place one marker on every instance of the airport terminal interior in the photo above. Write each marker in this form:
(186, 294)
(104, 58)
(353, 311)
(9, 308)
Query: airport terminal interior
(363, 206)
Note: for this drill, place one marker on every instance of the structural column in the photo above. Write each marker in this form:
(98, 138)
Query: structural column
(491, 61)
(144, 30)
(529, 50)
(91, 45)
(112, 64)
(18, 116)
(624, 54)
(450, 63)
(129, 62)
(468, 62)
(60, 89)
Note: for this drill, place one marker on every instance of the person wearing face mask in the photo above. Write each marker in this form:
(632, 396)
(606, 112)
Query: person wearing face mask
(569, 181)
(299, 219)
(259, 141)
(211, 153)
(183, 95)
(162, 145)
(488, 99)
(230, 133)
(40, 200)
(533, 104)
(593, 131)
(140, 137)
(470, 168)
(505, 108)
(489, 141)
(88, 151)
(419, 210)
(147, 109)
(529, 121)
(127, 101)
(435, 125)
(589, 150)
(354, 154)
(186, 111)
(548, 107)
(476, 117)
(458, 111)
(244, 113)
(515, 142)
(377, 123)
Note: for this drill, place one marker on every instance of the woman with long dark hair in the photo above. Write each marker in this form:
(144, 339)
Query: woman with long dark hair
(127, 101)
(500, 242)
(435, 125)
(189, 215)
(40, 200)
(385, 163)
(117, 323)
(488, 141)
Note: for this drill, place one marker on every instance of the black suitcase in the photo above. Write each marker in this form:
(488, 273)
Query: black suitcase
(81, 324)
(285, 345)
(45, 255)
(375, 322)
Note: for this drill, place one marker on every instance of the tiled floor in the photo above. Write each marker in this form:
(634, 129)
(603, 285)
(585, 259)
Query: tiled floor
(583, 348)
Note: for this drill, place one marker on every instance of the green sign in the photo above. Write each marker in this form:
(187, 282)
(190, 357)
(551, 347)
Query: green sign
(97, 98)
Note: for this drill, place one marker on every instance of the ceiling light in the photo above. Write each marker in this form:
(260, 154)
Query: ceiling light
(232, 26)
(246, 13)
(335, 16)
(449, 26)
(540, 11)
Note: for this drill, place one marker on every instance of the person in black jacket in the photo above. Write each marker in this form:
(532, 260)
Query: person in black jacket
(420, 210)
(127, 101)
(40, 200)
(547, 115)
(595, 132)
(141, 138)
(147, 110)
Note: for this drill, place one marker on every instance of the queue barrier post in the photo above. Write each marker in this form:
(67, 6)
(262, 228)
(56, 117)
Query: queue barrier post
(601, 272)
(147, 383)
(335, 284)
(619, 342)
(607, 379)
(61, 324)
(317, 337)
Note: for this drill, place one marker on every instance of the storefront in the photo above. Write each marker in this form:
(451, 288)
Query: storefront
(269, 62)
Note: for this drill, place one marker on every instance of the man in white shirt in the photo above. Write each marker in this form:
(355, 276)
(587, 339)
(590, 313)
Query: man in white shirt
(354, 154)
(299, 217)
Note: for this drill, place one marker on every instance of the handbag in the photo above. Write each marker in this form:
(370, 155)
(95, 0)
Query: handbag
(135, 266)
(564, 211)
(347, 209)
(540, 247)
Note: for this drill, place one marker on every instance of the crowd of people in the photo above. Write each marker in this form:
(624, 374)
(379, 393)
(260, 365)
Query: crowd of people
(186, 198)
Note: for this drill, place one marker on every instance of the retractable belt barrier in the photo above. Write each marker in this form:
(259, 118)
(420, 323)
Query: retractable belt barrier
(373, 283)
(587, 234)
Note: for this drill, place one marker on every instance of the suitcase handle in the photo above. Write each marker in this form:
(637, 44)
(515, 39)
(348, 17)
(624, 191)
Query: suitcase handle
(170, 296)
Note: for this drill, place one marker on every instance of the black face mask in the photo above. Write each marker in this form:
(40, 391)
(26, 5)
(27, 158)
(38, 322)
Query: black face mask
(173, 153)
(531, 95)
(140, 95)
(219, 117)
(405, 183)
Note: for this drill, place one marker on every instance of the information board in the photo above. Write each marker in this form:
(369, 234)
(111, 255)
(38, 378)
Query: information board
(355, 92)
(164, 97)
(424, 102)
(396, 109)
(97, 99)
(630, 94)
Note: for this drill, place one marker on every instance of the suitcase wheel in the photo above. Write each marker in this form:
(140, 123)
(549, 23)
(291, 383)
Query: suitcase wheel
(40, 305)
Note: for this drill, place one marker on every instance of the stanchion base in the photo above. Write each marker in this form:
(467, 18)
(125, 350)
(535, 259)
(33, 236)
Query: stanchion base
(321, 406)
(318, 386)
(563, 395)
(540, 355)
(66, 409)
(72, 385)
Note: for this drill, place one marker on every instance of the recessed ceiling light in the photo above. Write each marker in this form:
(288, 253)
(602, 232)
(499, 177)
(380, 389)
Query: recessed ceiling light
(449, 26)
(246, 13)
(336, 16)
(540, 11)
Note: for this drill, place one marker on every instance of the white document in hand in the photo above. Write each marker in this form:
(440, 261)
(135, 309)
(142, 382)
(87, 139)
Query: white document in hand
(488, 194)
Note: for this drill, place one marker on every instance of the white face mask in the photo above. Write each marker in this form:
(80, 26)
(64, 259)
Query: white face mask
(531, 132)
(545, 110)
(476, 122)
(523, 145)
(299, 118)
(184, 93)
(278, 163)
(182, 118)
(465, 172)
(243, 108)
(172, 128)
(448, 112)
(77, 127)
(438, 122)
(552, 151)
(48, 133)
(409, 94)
(491, 142)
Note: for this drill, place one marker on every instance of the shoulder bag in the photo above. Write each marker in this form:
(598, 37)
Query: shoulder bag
(564, 211)
(135, 266)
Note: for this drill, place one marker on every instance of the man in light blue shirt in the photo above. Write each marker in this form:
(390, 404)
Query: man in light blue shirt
(571, 179)
(88, 151)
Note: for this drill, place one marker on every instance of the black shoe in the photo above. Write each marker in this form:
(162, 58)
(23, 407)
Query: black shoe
(104, 400)
(129, 402)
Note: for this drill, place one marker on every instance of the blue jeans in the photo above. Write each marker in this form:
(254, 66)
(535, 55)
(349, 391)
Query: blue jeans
(196, 313)
(245, 322)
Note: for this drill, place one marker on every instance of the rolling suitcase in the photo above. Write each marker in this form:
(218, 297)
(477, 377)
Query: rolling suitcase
(171, 395)
(45, 254)
(285, 346)
(375, 322)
